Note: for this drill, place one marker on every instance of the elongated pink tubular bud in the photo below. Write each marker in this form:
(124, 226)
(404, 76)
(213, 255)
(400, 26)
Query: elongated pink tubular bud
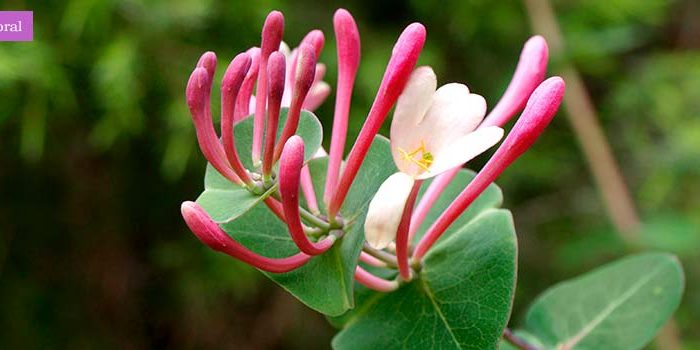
(243, 100)
(373, 282)
(403, 59)
(215, 238)
(290, 170)
(348, 50)
(276, 67)
(197, 94)
(230, 86)
(306, 66)
(271, 38)
(529, 73)
(540, 109)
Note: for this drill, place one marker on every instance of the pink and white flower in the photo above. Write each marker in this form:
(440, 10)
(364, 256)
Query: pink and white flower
(433, 130)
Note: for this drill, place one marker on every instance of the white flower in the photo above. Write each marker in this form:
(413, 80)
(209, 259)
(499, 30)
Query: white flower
(432, 131)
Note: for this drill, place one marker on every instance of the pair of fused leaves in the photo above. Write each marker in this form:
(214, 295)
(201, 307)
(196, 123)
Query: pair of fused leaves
(462, 296)
(618, 306)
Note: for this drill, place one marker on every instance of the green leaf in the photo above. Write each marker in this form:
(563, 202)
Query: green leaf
(492, 197)
(325, 283)
(619, 306)
(460, 300)
(226, 201)
(309, 129)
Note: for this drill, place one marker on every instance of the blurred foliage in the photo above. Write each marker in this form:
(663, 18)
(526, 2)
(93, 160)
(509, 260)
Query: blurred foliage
(98, 152)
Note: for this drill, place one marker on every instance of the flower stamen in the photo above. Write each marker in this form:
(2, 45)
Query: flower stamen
(426, 158)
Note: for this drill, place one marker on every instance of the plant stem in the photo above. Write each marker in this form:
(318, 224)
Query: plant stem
(307, 215)
(313, 219)
(516, 341)
(387, 258)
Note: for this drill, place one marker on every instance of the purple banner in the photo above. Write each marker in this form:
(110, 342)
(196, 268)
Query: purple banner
(16, 25)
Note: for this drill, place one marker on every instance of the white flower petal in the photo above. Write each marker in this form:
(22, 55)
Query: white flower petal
(454, 113)
(414, 102)
(385, 210)
(463, 149)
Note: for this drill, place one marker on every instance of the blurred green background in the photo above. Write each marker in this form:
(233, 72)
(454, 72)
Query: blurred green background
(98, 152)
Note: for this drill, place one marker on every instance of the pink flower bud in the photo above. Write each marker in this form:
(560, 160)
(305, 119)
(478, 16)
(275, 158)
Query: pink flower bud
(306, 66)
(244, 96)
(275, 72)
(201, 224)
(316, 39)
(403, 60)
(230, 86)
(208, 62)
(348, 38)
(291, 163)
(271, 39)
(531, 70)
(539, 111)
(197, 93)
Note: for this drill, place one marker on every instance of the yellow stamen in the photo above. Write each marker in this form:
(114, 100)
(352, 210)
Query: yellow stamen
(425, 160)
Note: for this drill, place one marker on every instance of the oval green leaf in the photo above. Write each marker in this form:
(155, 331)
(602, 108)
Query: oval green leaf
(619, 306)
(461, 300)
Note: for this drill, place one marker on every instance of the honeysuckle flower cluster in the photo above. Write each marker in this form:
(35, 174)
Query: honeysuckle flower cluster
(434, 131)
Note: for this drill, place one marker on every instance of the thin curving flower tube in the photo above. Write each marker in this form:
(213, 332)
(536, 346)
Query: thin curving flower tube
(201, 224)
(403, 59)
(291, 162)
(539, 111)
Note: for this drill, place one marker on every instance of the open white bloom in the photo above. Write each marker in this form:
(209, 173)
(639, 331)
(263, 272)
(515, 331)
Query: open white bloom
(432, 131)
